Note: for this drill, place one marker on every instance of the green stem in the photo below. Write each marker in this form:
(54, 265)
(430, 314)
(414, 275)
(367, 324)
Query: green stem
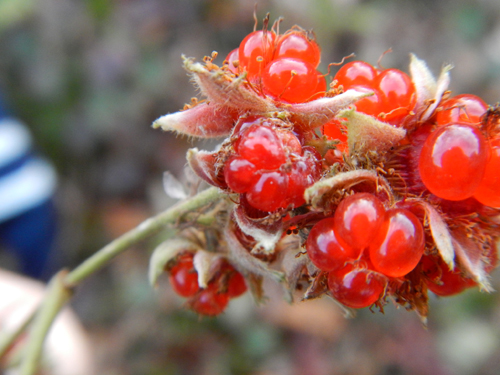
(61, 286)
(142, 231)
(57, 296)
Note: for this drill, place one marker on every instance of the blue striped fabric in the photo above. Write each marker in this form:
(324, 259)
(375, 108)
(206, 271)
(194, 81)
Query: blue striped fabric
(27, 185)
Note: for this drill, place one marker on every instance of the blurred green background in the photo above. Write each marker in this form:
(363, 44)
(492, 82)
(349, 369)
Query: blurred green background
(89, 77)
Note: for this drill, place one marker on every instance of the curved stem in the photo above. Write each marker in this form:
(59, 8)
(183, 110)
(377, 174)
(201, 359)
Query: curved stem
(61, 286)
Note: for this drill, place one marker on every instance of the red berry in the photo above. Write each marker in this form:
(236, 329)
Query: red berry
(325, 249)
(358, 219)
(209, 301)
(356, 73)
(453, 160)
(400, 244)
(397, 95)
(268, 193)
(356, 287)
(183, 277)
(332, 130)
(290, 80)
(261, 147)
(236, 285)
(488, 191)
(304, 172)
(463, 109)
(442, 281)
(370, 105)
(231, 58)
(297, 45)
(239, 174)
(256, 51)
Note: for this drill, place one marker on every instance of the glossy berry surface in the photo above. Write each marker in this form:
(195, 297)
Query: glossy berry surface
(393, 91)
(355, 287)
(441, 280)
(358, 218)
(255, 52)
(453, 160)
(261, 147)
(324, 248)
(461, 109)
(400, 244)
(488, 191)
(297, 45)
(291, 80)
(209, 301)
(183, 277)
(231, 59)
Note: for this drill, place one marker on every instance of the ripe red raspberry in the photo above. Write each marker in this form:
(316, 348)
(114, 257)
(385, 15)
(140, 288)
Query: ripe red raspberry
(461, 109)
(270, 166)
(399, 245)
(442, 281)
(453, 160)
(255, 52)
(183, 277)
(292, 80)
(488, 191)
(295, 44)
(394, 92)
(356, 287)
(209, 301)
(358, 219)
(326, 250)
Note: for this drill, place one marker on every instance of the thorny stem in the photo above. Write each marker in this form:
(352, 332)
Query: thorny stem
(61, 286)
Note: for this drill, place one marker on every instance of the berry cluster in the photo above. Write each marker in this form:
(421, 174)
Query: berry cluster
(269, 165)
(459, 159)
(283, 66)
(226, 283)
(408, 204)
(363, 241)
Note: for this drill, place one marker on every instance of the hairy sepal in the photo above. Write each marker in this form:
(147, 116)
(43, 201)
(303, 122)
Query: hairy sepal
(203, 164)
(203, 262)
(293, 262)
(320, 111)
(428, 91)
(366, 133)
(322, 195)
(205, 120)
(267, 236)
(222, 89)
(440, 233)
(164, 253)
(471, 258)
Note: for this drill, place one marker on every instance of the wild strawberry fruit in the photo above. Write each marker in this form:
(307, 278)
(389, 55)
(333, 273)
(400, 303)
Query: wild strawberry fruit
(296, 45)
(453, 160)
(209, 301)
(255, 52)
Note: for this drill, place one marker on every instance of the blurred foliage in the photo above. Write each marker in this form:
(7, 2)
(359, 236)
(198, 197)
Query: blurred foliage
(89, 77)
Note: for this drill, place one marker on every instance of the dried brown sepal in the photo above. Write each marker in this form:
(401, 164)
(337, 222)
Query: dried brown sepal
(205, 120)
(203, 163)
(318, 286)
(472, 258)
(244, 262)
(411, 293)
(366, 133)
(326, 193)
(440, 232)
(266, 231)
(293, 262)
